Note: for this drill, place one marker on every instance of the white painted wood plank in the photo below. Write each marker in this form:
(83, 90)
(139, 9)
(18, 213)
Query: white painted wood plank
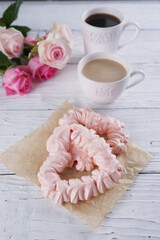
(145, 49)
(141, 129)
(146, 45)
(153, 167)
(143, 126)
(27, 215)
(40, 15)
(50, 94)
(4, 170)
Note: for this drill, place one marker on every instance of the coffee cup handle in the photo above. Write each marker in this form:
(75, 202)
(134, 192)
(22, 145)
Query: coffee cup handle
(126, 25)
(140, 79)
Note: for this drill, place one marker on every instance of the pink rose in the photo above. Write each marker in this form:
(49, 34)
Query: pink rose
(31, 40)
(61, 31)
(11, 42)
(17, 80)
(40, 70)
(54, 52)
(64, 31)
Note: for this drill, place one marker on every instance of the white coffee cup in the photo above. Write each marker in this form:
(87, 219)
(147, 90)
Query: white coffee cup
(107, 92)
(97, 39)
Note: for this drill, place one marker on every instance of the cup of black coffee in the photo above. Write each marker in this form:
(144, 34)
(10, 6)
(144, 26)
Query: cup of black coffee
(102, 20)
(102, 29)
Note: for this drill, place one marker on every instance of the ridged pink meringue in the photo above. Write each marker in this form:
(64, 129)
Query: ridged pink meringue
(95, 146)
(114, 129)
(75, 190)
(83, 161)
(71, 144)
(60, 194)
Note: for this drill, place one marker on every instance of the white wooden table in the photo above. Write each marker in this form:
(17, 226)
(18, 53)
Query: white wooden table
(24, 213)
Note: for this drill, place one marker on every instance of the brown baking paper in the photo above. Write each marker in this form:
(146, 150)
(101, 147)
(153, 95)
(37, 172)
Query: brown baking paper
(27, 155)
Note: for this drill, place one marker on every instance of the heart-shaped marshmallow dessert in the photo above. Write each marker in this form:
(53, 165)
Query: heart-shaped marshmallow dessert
(72, 143)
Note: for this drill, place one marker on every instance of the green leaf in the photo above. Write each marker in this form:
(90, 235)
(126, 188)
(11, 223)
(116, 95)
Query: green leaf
(28, 47)
(33, 52)
(23, 29)
(26, 51)
(11, 13)
(2, 24)
(2, 70)
(4, 60)
(16, 62)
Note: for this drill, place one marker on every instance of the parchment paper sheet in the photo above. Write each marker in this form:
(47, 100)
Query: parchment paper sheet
(27, 155)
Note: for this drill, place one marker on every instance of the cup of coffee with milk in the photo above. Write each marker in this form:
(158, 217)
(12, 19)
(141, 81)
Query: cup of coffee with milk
(104, 75)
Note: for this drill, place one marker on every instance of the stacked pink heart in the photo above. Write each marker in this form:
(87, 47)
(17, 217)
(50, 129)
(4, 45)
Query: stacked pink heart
(72, 143)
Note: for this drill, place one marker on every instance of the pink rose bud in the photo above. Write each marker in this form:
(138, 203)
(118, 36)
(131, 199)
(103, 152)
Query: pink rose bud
(17, 80)
(31, 40)
(54, 52)
(11, 42)
(45, 36)
(39, 70)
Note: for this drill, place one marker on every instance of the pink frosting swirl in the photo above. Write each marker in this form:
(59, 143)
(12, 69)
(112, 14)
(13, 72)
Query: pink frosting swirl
(114, 129)
(63, 142)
